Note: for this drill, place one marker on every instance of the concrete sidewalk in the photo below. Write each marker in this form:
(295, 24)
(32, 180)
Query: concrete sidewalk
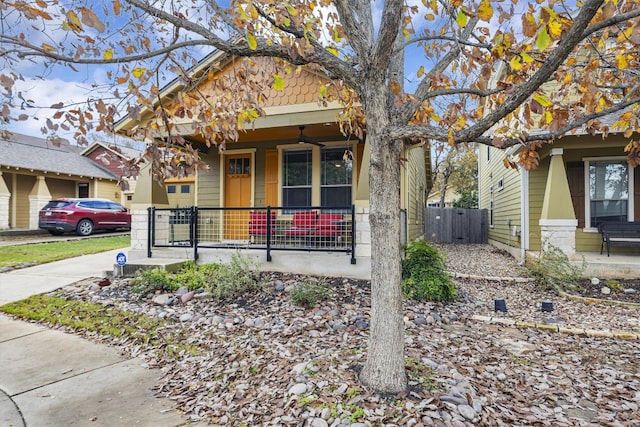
(50, 378)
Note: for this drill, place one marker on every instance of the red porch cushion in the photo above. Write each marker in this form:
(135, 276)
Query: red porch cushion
(328, 224)
(258, 223)
(302, 224)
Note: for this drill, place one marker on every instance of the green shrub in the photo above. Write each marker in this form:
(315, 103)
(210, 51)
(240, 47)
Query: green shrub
(554, 271)
(307, 294)
(233, 279)
(424, 276)
(151, 280)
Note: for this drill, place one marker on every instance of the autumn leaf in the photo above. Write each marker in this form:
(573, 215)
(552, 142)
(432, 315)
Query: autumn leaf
(621, 60)
(108, 54)
(485, 11)
(515, 63)
(278, 82)
(421, 71)
(138, 72)
(251, 40)
(116, 7)
(48, 48)
(90, 19)
(462, 19)
(529, 25)
(543, 40)
(73, 22)
(332, 50)
(542, 100)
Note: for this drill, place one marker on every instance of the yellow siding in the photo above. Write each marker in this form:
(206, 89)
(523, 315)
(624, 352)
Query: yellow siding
(506, 201)
(208, 187)
(105, 190)
(61, 187)
(537, 185)
(416, 176)
(25, 184)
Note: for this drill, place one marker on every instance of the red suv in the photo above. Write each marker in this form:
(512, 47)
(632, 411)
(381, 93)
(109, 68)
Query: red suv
(83, 216)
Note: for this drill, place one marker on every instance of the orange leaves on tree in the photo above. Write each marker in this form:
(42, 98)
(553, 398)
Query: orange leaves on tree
(116, 7)
(72, 23)
(90, 19)
(485, 11)
(529, 25)
(31, 12)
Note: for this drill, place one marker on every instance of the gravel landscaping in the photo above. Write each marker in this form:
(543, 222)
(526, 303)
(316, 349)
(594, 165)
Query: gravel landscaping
(265, 361)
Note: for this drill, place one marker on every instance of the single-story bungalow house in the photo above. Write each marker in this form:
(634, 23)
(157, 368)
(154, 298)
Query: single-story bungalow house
(292, 191)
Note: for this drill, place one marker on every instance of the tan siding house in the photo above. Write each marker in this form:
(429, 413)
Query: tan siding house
(293, 159)
(33, 171)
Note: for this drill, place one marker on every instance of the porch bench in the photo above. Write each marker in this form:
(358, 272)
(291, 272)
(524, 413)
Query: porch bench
(311, 224)
(619, 234)
(258, 223)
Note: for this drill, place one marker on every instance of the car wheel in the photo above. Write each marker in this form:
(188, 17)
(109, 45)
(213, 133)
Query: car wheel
(84, 228)
(55, 232)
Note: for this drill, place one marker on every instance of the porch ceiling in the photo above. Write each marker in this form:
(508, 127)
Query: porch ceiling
(287, 134)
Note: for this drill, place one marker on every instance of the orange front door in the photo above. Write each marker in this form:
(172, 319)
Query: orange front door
(237, 194)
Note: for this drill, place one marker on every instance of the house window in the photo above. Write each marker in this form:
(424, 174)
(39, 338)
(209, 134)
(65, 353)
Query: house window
(491, 207)
(296, 179)
(83, 190)
(185, 189)
(488, 153)
(609, 189)
(335, 177)
(500, 184)
(171, 189)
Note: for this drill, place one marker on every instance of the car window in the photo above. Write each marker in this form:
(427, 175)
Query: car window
(115, 206)
(56, 204)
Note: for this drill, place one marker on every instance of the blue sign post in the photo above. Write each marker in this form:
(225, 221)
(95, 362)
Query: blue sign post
(121, 260)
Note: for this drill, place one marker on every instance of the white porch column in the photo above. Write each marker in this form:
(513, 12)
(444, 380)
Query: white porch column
(38, 197)
(363, 232)
(5, 195)
(558, 221)
(148, 193)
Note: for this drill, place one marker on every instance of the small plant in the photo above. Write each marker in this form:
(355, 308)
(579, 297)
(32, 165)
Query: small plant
(424, 276)
(233, 279)
(554, 271)
(420, 373)
(614, 285)
(307, 294)
(151, 280)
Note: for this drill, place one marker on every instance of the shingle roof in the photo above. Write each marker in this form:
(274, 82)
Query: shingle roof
(39, 154)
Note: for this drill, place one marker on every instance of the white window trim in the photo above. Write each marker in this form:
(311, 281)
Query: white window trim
(500, 185)
(587, 192)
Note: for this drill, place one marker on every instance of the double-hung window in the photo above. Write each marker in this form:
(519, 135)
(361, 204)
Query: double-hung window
(335, 177)
(297, 171)
(609, 182)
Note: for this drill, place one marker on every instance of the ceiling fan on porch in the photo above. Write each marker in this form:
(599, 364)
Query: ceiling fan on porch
(302, 138)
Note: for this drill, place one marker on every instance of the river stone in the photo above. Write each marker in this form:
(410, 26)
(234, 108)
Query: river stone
(299, 388)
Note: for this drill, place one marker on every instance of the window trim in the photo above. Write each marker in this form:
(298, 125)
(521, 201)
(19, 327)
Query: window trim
(500, 185)
(316, 157)
(587, 193)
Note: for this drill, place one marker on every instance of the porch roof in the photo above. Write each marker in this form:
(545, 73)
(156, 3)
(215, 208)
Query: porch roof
(37, 154)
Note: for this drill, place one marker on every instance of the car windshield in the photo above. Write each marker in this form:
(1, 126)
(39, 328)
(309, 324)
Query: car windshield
(56, 204)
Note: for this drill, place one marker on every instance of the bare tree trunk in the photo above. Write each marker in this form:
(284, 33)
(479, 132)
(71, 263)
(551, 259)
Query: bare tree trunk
(445, 182)
(384, 370)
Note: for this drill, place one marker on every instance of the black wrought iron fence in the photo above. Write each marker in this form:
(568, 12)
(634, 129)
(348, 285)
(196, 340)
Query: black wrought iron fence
(316, 228)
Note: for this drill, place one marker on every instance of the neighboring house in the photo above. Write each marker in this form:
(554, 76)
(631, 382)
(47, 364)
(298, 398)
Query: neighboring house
(34, 171)
(450, 196)
(582, 180)
(294, 158)
(181, 191)
(116, 160)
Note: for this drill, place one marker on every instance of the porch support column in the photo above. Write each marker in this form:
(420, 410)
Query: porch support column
(148, 193)
(38, 197)
(363, 229)
(558, 221)
(5, 195)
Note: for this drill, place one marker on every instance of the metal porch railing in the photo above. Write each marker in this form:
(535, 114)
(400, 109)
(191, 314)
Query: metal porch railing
(312, 229)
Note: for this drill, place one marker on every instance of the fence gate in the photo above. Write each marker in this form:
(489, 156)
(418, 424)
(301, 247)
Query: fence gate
(455, 225)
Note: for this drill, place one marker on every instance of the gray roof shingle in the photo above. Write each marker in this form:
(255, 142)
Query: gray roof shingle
(26, 152)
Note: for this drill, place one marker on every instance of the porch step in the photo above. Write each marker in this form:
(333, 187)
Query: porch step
(130, 269)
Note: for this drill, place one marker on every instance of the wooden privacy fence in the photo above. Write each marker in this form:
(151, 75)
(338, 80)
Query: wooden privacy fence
(454, 225)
